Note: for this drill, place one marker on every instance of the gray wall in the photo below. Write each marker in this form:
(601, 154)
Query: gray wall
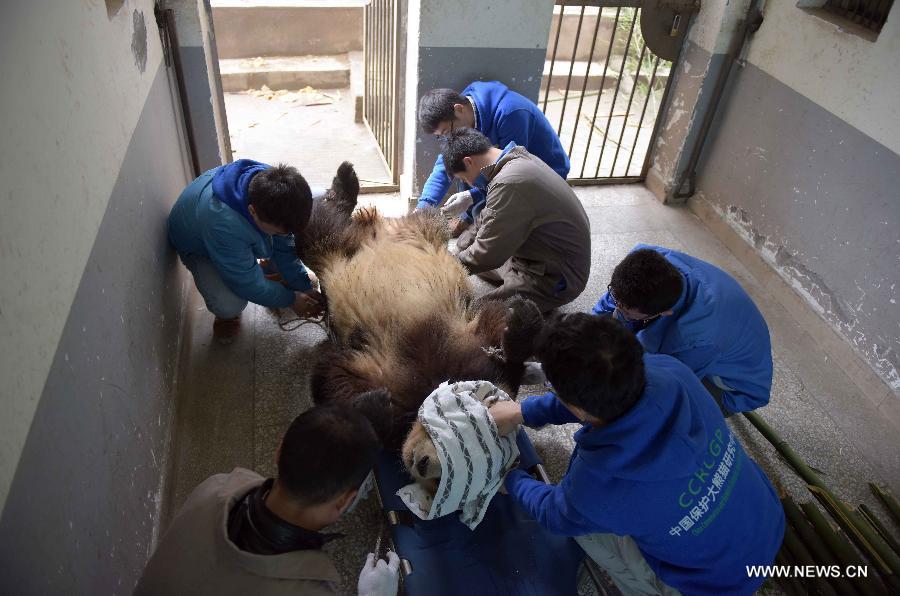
(465, 41)
(83, 499)
(802, 162)
(820, 199)
(455, 68)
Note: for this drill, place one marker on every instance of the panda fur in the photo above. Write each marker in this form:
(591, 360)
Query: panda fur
(402, 312)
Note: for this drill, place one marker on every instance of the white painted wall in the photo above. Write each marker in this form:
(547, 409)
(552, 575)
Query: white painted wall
(853, 78)
(71, 98)
(441, 24)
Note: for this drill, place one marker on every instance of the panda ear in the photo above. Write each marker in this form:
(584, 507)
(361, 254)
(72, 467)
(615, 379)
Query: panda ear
(375, 405)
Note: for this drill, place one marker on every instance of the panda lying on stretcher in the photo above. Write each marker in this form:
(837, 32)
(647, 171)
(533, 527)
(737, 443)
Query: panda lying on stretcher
(403, 318)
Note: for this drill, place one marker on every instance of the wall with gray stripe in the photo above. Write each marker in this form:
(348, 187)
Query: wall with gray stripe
(819, 199)
(468, 41)
(83, 505)
(455, 68)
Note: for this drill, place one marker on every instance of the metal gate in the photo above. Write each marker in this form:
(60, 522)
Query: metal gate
(603, 90)
(381, 106)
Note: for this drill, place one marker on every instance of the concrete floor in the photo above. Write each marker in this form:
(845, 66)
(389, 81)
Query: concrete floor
(313, 138)
(235, 401)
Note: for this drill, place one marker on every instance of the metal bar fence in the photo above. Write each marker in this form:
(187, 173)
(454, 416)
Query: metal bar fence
(615, 127)
(381, 85)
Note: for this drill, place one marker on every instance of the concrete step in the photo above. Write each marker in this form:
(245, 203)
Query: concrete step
(567, 49)
(285, 72)
(580, 70)
(250, 28)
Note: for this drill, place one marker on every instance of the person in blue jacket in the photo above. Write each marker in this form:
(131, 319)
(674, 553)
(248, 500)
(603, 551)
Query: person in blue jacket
(227, 219)
(503, 116)
(659, 491)
(689, 309)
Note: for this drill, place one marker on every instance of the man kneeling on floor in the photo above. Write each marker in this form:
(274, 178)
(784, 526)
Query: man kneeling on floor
(533, 236)
(659, 492)
(689, 309)
(227, 219)
(240, 533)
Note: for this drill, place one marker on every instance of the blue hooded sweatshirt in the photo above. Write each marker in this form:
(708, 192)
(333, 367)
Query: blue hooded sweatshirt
(503, 116)
(715, 329)
(211, 219)
(670, 474)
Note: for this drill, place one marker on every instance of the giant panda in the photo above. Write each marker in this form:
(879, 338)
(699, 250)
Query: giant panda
(402, 315)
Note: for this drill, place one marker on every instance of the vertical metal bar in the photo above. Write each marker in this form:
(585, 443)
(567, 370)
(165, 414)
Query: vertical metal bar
(634, 86)
(559, 24)
(587, 75)
(367, 59)
(637, 135)
(612, 39)
(616, 93)
(388, 137)
(376, 95)
(562, 112)
(380, 8)
(395, 153)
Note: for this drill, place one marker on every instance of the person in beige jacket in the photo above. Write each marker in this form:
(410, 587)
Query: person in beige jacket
(240, 533)
(532, 237)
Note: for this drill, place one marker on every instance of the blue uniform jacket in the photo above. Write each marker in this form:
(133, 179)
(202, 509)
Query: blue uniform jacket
(210, 219)
(503, 116)
(715, 329)
(671, 475)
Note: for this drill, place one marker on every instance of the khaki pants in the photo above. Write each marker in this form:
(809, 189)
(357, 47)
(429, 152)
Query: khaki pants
(518, 281)
(623, 561)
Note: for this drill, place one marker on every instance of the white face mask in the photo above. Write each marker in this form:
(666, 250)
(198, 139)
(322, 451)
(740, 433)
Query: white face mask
(362, 493)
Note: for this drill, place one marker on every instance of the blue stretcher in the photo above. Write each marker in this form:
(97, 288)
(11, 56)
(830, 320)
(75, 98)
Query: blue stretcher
(507, 554)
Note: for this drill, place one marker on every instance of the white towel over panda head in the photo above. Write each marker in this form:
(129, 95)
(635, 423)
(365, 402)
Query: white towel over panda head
(474, 457)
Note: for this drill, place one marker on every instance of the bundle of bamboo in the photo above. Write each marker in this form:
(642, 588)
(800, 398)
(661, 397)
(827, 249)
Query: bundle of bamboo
(812, 539)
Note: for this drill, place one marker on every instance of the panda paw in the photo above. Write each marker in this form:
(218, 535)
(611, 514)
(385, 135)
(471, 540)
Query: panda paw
(523, 323)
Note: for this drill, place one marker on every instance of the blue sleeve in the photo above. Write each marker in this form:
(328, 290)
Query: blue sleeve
(547, 504)
(292, 270)
(545, 409)
(606, 304)
(236, 263)
(436, 186)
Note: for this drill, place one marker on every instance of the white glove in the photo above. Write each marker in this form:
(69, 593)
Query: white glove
(457, 204)
(381, 578)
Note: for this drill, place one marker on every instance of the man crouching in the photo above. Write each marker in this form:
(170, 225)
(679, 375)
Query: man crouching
(532, 236)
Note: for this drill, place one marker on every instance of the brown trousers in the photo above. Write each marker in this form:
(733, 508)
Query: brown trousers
(514, 279)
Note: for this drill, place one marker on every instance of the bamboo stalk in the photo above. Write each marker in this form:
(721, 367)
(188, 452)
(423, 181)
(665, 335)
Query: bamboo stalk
(888, 499)
(836, 541)
(788, 584)
(864, 538)
(869, 516)
(881, 547)
(814, 543)
(887, 561)
(800, 552)
(840, 545)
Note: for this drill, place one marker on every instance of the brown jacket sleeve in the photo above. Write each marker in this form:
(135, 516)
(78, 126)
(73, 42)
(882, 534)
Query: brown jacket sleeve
(504, 226)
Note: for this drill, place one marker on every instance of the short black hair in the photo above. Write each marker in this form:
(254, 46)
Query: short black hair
(593, 362)
(462, 143)
(646, 281)
(281, 197)
(326, 451)
(436, 106)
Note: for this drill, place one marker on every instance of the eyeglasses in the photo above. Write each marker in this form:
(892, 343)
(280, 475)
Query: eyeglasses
(646, 319)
